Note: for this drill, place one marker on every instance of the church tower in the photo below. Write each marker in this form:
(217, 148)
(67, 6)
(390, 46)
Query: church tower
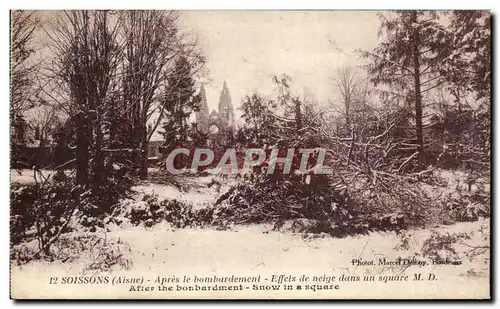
(226, 112)
(202, 115)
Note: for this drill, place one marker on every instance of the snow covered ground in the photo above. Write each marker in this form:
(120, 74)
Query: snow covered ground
(258, 250)
(196, 191)
(166, 252)
(26, 176)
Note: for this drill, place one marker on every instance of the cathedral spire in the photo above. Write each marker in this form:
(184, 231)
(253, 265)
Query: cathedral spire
(225, 106)
(202, 93)
(202, 113)
(225, 98)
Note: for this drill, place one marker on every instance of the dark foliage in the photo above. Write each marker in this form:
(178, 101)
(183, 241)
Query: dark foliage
(45, 209)
(152, 211)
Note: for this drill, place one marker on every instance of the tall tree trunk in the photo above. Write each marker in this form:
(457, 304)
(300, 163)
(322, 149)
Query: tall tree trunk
(82, 149)
(298, 116)
(418, 94)
(136, 138)
(347, 116)
(143, 154)
(98, 155)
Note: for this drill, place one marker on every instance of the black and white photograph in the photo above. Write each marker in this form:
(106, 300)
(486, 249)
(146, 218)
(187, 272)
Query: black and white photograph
(250, 154)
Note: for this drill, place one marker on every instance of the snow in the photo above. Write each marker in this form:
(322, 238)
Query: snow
(454, 183)
(196, 198)
(466, 38)
(194, 191)
(25, 176)
(255, 250)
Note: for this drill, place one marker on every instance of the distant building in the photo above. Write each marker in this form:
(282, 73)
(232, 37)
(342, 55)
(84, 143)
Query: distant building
(216, 124)
(202, 119)
(219, 122)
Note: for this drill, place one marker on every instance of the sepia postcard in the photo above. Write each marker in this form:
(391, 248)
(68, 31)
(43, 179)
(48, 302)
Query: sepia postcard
(191, 154)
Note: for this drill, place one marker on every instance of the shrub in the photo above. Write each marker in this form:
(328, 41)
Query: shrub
(271, 200)
(99, 252)
(466, 206)
(43, 211)
(150, 211)
(397, 205)
(441, 246)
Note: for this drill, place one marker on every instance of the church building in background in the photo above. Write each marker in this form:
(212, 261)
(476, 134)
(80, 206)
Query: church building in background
(217, 124)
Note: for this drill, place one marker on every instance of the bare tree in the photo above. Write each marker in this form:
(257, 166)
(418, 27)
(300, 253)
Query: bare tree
(22, 73)
(23, 26)
(152, 43)
(44, 120)
(86, 58)
(116, 69)
(347, 83)
(354, 91)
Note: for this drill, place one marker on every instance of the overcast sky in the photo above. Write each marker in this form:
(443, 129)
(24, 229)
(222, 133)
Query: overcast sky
(246, 48)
